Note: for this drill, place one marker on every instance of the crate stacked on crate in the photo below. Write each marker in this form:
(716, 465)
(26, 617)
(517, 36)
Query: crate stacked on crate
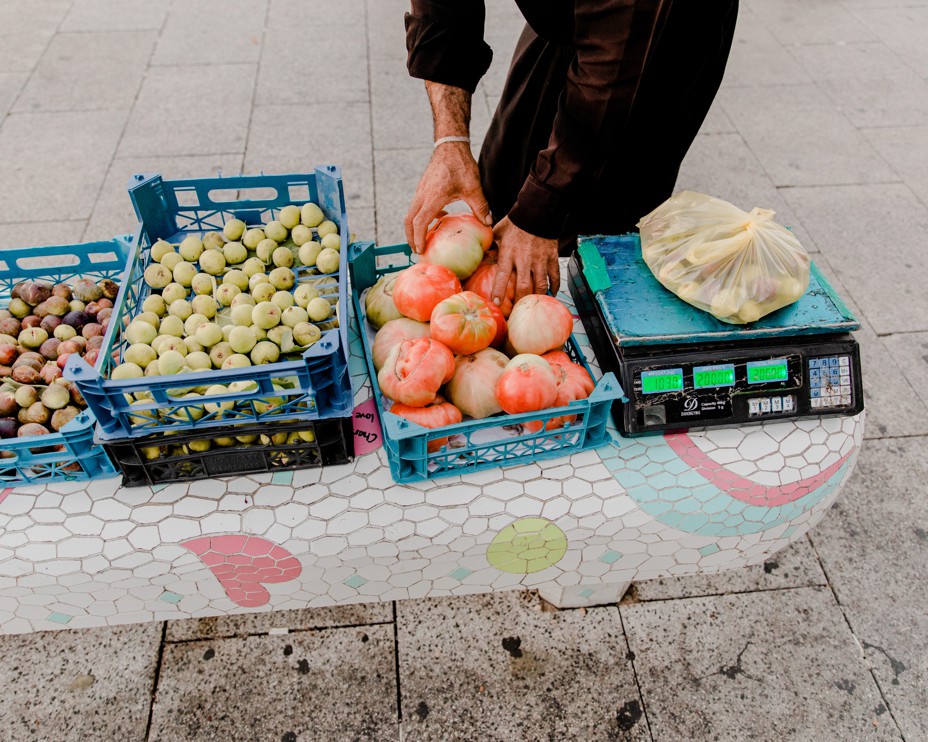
(231, 332)
(493, 439)
(56, 302)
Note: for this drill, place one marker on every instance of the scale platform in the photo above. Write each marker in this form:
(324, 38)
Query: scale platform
(682, 368)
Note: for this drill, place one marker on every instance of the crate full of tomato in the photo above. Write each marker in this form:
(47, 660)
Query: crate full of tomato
(462, 384)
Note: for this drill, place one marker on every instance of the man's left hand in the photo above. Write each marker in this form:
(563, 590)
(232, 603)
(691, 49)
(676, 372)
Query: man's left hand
(533, 259)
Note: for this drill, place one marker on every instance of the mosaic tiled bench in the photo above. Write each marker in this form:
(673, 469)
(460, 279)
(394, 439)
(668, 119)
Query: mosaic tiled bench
(578, 529)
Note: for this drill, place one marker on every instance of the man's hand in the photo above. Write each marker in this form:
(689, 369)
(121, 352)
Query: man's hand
(534, 260)
(451, 175)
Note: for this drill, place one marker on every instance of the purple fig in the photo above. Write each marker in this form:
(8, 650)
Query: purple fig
(8, 427)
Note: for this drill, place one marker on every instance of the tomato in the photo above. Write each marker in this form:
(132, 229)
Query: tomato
(457, 241)
(379, 301)
(420, 288)
(501, 328)
(414, 370)
(463, 322)
(527, 384)
(481, 282)
(473, 386)
(573, 383)
(393, 333)
(436, 414)
(538, 324)
(578, 379)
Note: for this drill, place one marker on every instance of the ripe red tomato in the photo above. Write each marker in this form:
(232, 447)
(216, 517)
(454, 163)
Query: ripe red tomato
(415, 370)
(573, 383)
(457, 241)
(420, 287)
(481, 282)
(501, 328)
(393, 333)
(527, 384)
(539, 323)
(436, 414)
(463, 322)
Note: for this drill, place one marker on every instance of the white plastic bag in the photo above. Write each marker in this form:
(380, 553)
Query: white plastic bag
(738, 266)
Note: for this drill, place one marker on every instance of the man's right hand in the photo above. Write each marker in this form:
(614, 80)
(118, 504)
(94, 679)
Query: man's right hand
(451, 175)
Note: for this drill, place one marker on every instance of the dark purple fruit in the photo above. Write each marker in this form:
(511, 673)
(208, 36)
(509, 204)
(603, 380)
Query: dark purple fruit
(8, 427)
(8, 404)
(50, 323)
(77, 320)
(49, 348)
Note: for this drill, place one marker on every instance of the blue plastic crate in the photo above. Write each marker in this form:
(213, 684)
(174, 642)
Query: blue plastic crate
(406, 443)
(317, 385)
(71, 453)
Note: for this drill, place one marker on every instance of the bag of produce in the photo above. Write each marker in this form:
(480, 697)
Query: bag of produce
(738, 266)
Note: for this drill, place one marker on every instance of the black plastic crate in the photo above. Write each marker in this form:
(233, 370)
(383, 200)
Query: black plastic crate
(333, 444)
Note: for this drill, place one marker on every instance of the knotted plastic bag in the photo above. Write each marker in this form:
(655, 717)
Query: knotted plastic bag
(738, 266)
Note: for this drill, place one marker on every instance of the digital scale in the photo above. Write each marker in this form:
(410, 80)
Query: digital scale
(682, 368)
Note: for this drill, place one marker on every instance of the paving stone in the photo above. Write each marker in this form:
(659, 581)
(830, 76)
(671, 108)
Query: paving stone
(25, 35)
(285, 78)
(245, 624)
(724, 166)
(362, 223)
(869, 83)
(212, 32)
(796, 22)
(35, 234)
(186, 111)
(315, 685)
(89, 72)
(800, 138)
(757, 58)
(717, 121)
(10, 85)
(775, 665)
(113, 213)
(794, 566)
(115, 15)
(297, 138)
(386, 30)
(402, 118)
(55, 158)
(906, 149)
(909, 350)
(398, 173)
(871, 235)
(90, 684)
(317, 15)
(494, 667)
(874, 544)
(902, 29)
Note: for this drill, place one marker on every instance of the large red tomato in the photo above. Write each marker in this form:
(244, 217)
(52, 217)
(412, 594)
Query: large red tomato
(473, 386)
(500, 339)
(436, 414)
(457, 241)
(573, 383)
(415, 370)
(464, 322)
(527, 384)
(393, 333)
(420, 287)
(539, 323)
(577, 379)
(481, 282)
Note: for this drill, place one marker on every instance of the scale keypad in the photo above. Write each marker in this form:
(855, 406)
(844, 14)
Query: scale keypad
(830, 382)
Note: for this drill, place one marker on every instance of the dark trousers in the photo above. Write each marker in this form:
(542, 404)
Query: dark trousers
(678, 84)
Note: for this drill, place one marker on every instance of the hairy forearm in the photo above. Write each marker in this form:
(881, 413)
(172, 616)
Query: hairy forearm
(450, 110)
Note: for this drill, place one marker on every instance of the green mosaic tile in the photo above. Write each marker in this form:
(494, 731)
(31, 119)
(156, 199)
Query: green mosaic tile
(168, 597)
(355, 581)
(610, 557)
(62, 618)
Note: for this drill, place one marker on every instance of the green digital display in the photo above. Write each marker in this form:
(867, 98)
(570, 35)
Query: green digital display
(762, 372)
(713, 376)
(665, 380)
